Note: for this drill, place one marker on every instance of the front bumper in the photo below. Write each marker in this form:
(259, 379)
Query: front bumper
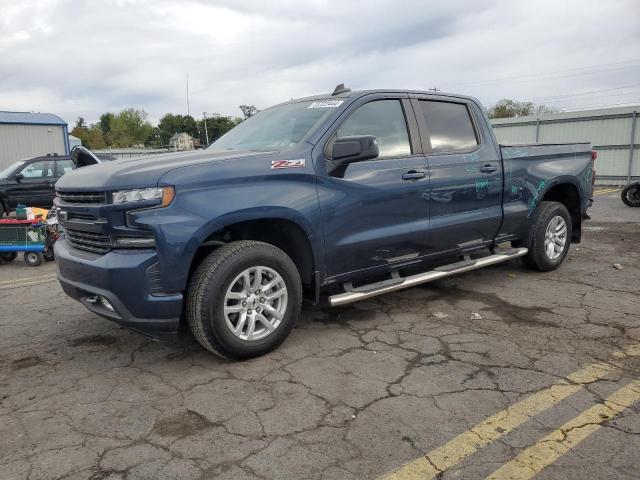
(121, 276)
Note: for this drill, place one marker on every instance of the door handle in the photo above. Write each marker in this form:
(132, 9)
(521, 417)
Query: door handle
(413, 175)
(488, 168)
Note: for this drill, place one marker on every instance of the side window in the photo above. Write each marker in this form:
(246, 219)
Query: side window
(40, 169)
(383, 119)
(64, 166)
(450, 126)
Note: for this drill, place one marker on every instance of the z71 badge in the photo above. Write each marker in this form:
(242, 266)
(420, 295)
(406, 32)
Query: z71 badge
(278, 164)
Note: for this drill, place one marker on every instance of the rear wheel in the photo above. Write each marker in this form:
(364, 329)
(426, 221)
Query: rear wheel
(8, 256)
(33, 259)
(631, 195)
(550, 237)
(244, 299)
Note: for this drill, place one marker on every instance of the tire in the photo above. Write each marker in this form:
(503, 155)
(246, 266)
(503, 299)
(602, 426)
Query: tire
(33, 259)
(8, 256)
(213, 281)
(48, 255)
(538, 257)
(631, 195)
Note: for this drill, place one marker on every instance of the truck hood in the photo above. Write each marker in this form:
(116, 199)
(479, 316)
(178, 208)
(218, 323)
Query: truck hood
(142, 171)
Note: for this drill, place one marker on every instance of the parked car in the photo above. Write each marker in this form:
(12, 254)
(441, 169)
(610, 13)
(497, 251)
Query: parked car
(329, 199)
(31, 182)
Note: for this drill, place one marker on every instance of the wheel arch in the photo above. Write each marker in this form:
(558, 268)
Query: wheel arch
(290, 235)
(568, 194)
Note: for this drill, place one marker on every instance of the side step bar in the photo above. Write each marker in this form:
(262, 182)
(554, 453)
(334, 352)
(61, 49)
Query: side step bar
(440, 272)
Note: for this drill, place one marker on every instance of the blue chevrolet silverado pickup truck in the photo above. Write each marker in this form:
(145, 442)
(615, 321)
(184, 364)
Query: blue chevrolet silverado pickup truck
(324, 200)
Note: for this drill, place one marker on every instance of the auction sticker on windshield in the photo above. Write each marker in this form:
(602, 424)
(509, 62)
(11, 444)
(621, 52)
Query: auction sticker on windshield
(278, 164)
(326, 104)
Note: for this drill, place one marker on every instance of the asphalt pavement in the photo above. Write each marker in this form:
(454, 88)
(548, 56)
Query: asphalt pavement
(498, 373)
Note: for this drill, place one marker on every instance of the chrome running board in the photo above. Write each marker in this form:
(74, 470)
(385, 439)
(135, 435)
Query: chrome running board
(364, 292)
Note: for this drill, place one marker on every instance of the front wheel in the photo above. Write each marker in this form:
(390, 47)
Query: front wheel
(631, 195)
(244, 299)
(549, 238)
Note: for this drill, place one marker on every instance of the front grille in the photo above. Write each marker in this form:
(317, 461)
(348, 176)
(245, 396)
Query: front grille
(89, 241)
(83, 197)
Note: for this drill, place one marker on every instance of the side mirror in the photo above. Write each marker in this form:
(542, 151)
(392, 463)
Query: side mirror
(18, 177)
(347, 150)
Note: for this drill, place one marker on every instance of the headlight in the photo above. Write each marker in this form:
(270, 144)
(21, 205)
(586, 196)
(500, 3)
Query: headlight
(162, 195)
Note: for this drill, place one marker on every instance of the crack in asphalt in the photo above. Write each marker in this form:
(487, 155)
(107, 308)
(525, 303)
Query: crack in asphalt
(355, 391)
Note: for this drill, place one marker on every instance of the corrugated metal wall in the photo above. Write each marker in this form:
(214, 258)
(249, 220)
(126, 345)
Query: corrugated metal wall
(119, 153)
(609, 131)
(18, 141)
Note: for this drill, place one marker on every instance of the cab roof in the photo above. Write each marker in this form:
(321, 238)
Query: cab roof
(360, 93)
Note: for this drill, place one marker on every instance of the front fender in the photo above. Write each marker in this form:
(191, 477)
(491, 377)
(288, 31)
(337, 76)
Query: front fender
(202, 209)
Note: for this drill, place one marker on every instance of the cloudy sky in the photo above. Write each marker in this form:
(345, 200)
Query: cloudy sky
(75, 57)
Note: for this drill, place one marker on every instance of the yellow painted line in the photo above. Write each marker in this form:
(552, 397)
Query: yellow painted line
(503, 422)
(532, 460)
(602, 192)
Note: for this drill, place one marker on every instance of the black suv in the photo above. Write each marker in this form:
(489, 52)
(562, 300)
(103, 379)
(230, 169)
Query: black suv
(31, 182)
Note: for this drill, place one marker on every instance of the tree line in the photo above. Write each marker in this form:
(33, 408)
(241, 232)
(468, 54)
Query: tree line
(507, 108)
(130, 128)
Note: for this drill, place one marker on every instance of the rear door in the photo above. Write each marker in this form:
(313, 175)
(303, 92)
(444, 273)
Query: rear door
(374, 212)
(465, 194)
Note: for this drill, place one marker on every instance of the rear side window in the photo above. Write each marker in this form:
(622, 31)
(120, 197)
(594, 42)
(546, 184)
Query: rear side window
(450, 126)
(383, 119)
(65, 166)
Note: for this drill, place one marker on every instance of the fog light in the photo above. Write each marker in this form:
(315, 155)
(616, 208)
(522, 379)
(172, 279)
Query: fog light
(106, 304)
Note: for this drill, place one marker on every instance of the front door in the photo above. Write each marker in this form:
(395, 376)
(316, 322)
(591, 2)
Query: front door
(374, 212)
(35, 185)
(465, 197)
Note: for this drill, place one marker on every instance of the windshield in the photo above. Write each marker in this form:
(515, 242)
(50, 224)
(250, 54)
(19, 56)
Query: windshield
(7, 171)
(276, 128)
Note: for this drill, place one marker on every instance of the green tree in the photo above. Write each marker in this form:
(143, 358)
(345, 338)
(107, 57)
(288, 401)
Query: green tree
(106, 120)
(507, 108)
(81, 124)
(90, 137)
(171, 124)
(79, 132)
(130, 128)
(94, 138)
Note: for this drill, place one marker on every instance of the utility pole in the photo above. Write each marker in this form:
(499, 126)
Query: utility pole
(188, 108)
(206, 133)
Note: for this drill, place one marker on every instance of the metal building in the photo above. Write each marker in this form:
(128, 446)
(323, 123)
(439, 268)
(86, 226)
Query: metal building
(613, 132)
(27, 135)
